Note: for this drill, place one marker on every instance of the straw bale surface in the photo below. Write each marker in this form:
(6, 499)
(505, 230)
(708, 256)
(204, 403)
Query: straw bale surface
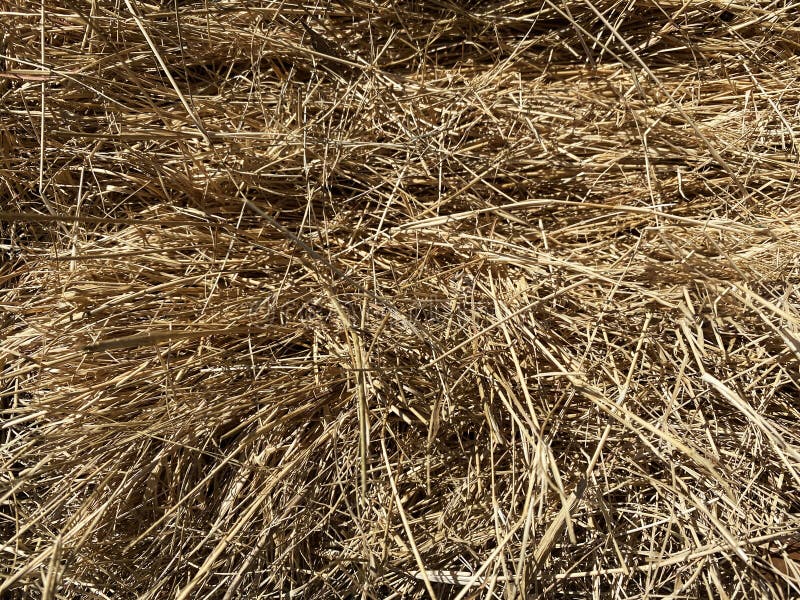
(372, 299)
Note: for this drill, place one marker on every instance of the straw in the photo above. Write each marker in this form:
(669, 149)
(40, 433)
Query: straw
(366, 299)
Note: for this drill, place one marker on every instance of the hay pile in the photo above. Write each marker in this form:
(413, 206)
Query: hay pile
(400, 299)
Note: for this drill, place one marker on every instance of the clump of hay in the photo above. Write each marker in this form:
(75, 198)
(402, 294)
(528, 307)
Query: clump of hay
(400, 299)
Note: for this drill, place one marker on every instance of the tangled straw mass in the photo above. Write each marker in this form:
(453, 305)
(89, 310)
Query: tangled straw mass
(371, 299)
